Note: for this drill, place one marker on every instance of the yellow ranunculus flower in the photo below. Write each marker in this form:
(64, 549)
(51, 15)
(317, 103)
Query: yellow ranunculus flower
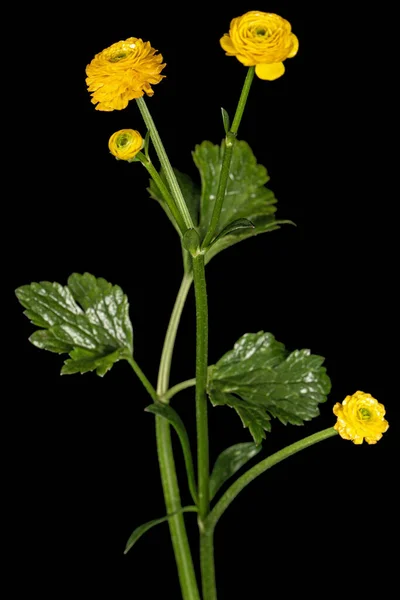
(122, 72)
(125, 144)
(263, 40)
(360, 416)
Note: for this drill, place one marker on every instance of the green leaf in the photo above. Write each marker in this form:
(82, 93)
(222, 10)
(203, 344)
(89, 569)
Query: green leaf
(88, 319)
(246, 195)
(167, 412)
(261, 225)
(139, 531)
(225, 120)
(260, 380)
(234, 226)
(190, 191)
(229, 462)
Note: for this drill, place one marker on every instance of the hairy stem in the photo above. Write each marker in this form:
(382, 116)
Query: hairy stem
(206, 538)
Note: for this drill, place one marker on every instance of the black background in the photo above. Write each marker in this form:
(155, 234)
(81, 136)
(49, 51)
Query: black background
(80, 452)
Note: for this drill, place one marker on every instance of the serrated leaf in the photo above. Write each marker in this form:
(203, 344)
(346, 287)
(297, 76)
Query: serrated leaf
(246, 196)
(190, 191)
(96, 332)
(139, 531)
(260, 380)
(225, 119)
(167, 412)
(229, 462)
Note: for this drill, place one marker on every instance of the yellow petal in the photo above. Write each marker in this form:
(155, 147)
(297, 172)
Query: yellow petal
(227, 45)
(295, 48)
(271, 71)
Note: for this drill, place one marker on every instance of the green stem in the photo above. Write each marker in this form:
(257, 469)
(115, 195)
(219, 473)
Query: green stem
(143, 378)
(226, 162)
(242, 100)
(200, 291)
(207, 565)
(206, 539)
(170, 336)
(183, 557)
(180, 543)
(260, 468)
(178, 388)
(148, 165)
(165, 164)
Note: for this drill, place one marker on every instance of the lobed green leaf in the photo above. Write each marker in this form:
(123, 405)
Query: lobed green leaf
(260, 380)
(88, 319)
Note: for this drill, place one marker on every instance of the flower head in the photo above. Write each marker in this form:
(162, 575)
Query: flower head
(122, 72)
(360, 416)
(263, 40)
(125, 144)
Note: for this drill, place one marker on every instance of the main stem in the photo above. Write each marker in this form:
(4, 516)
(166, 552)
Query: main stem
(226, 162)
(200, 291)
(206, 539)
(165, 164)
(183, 557)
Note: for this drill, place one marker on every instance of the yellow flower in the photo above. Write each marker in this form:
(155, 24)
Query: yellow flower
(125, 144)
(360, 416)
(262, 40)
(122, 72)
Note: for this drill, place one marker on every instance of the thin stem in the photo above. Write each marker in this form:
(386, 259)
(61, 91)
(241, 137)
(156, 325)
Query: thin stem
(206, 538)
(260, 468)
(170, 336)
(242, 100)
(226, 162)
(148, 165)
(165, 164)
(143, 378)
(183, 558)
(178, 388)
(207, 565)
